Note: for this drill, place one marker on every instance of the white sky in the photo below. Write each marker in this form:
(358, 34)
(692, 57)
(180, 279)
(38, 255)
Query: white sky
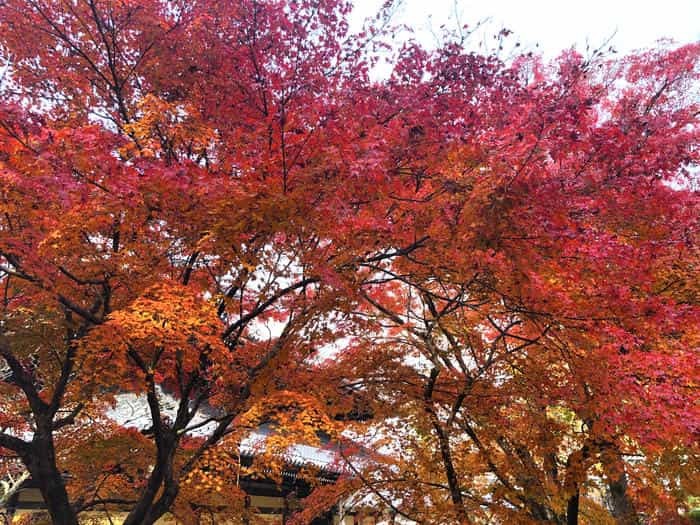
(556, 24)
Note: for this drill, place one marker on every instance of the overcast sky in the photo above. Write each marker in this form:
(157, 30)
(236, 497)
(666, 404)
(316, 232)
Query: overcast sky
(557, 24)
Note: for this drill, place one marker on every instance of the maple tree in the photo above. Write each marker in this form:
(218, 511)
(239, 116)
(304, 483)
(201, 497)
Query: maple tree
(163, 205)
(211, 206)
(550, 325)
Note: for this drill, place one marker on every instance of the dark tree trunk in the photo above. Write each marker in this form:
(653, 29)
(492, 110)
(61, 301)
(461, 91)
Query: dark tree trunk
(572, 509)
(41, 463)
(445, 452)
(451, 473)
(148, 509)
(621, 506)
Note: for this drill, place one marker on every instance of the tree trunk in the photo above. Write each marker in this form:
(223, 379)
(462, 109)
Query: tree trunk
(445, 453)
(572, 509)
(142, 512)
(621, 506)
(619, 502)
(41, 464)
(149, 509)
(160, 507)
(450, 472)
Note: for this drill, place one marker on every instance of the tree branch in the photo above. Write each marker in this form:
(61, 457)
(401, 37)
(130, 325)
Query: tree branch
(266, 304)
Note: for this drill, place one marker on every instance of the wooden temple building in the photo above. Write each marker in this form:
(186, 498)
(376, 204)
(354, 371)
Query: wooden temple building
(270, 501)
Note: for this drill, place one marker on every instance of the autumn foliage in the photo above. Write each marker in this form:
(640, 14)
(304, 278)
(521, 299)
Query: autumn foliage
(482, 268)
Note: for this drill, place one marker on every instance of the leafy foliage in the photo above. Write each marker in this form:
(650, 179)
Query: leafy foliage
(483, 269)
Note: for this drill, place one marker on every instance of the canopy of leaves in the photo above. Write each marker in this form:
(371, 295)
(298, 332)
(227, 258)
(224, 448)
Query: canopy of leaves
(483, 268)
